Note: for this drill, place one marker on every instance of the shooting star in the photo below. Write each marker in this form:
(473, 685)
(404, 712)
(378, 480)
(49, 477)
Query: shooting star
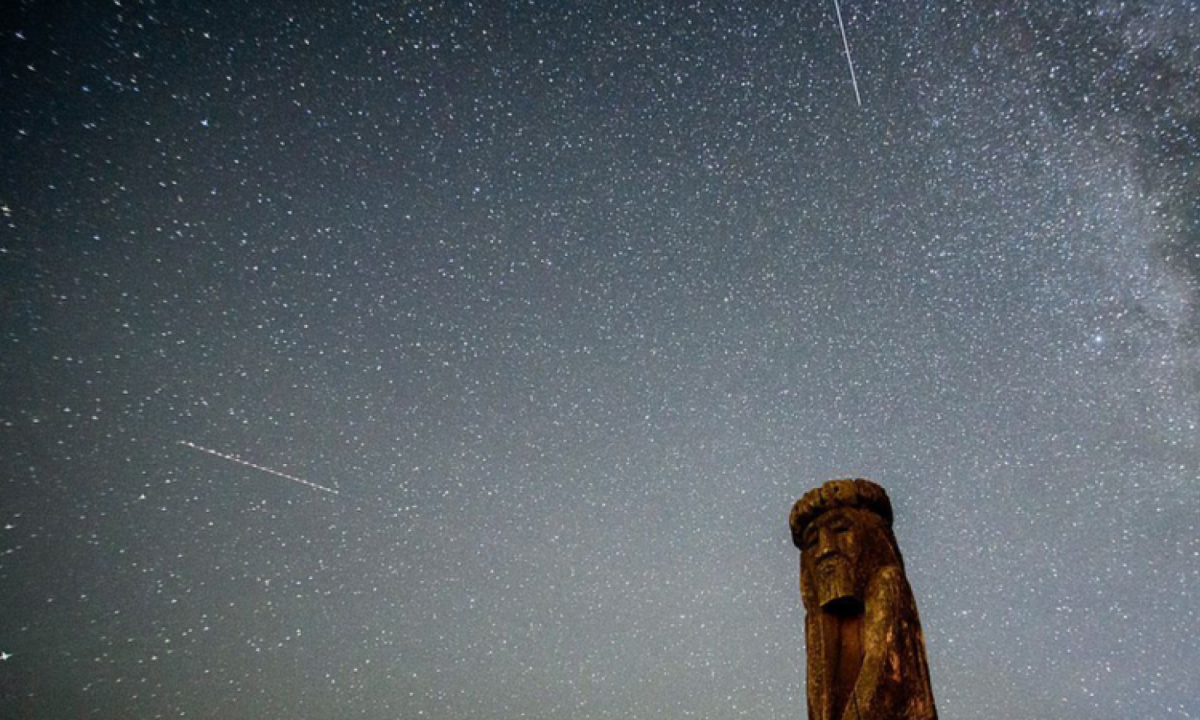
(846, 44)
(260, 468)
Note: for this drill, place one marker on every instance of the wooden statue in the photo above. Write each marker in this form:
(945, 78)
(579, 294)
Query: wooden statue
(866, 654)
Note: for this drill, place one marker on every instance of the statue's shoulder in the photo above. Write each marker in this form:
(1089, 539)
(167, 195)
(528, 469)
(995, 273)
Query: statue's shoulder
(888, 581)
(889, 575)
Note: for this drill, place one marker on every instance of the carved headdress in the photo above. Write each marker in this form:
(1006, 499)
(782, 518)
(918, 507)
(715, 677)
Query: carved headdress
(859, 493)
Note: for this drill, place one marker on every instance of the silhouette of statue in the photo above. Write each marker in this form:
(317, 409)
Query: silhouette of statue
(866, 653)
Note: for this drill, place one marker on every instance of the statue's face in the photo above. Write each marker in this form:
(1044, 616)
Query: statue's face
(832, 545)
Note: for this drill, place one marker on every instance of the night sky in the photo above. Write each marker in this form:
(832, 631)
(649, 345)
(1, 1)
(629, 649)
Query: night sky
(515, 329)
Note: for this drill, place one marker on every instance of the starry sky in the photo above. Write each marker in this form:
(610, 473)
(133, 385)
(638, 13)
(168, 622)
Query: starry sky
(463, 359)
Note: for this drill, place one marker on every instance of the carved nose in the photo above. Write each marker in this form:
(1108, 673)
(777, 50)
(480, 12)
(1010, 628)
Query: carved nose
(824, 547)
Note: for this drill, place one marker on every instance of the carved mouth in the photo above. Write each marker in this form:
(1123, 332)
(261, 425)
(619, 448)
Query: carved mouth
(846, 605)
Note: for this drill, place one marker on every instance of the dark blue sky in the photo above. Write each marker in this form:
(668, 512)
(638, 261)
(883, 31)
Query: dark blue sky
(569, 303)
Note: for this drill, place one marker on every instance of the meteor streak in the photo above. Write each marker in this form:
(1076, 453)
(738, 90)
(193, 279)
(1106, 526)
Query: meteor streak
(260, 468)
(838, 8)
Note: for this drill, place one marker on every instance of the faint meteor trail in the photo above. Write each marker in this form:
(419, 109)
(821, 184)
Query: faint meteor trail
(239, 461)
(846, 44)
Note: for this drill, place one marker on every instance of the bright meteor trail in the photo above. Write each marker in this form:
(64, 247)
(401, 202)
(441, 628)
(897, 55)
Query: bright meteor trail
(846, 44)
(239, 461)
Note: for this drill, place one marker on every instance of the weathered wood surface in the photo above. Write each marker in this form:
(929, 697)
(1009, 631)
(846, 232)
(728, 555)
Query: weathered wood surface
(865, 650)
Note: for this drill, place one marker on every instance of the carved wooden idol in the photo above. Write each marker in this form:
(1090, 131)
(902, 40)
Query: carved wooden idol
(866, 654)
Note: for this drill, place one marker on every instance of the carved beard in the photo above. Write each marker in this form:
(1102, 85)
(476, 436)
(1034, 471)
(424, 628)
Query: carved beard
(837, 586)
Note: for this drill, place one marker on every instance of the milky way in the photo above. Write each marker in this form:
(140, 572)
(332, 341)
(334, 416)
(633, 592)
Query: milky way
(570, 303)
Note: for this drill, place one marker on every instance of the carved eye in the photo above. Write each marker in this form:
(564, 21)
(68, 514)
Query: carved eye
(809, 539)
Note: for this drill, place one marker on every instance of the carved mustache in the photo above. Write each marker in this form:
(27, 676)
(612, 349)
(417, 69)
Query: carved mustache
(828, 561)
